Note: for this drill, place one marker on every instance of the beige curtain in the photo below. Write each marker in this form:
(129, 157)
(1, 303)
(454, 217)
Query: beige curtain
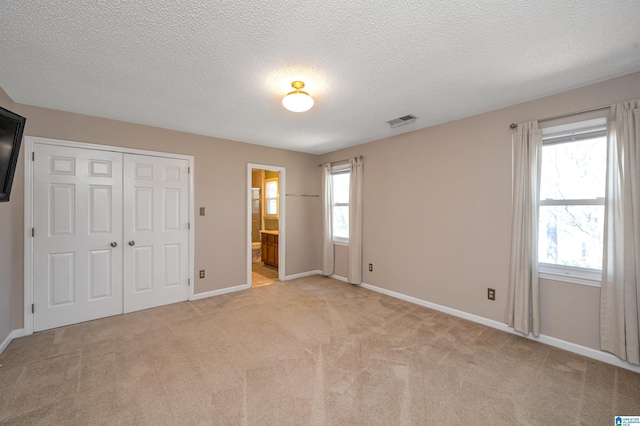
(327, 233)
(523, 311)
(620, 292)
(355, 221)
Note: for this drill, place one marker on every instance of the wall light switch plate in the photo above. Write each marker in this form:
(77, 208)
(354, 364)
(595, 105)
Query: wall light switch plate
(201, 273)
(201, 211)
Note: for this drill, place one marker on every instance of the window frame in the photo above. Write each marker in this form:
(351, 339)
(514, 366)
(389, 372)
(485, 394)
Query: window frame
(338, 170)
(571, 133)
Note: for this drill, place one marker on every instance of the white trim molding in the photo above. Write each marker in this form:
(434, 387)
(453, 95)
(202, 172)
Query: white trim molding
(302, 275)
(340, 278)
(13, 335)
(570, 274)
(282, 223)
(220, 292)
(547, 340)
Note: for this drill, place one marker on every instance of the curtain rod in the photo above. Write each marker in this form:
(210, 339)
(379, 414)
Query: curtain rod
(553, 117)
(337, 163)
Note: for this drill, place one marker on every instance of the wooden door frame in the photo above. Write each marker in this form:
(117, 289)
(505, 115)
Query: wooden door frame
(281, 218)
(29, 143)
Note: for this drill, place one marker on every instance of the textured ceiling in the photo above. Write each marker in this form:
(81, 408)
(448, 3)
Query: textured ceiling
(220, 68)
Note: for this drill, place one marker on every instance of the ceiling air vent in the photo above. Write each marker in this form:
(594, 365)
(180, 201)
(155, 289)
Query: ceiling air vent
(401, 121)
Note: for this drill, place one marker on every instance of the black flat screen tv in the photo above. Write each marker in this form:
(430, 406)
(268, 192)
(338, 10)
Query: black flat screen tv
(11, 129)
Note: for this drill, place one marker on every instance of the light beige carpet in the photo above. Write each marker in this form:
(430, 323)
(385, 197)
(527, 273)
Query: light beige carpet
(312, 351)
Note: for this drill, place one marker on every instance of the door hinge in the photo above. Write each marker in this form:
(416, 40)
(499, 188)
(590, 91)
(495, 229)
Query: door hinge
(189, 282)
(33, 156)
(33, 308)
(188, 170)
(33, 232)
(189, 225)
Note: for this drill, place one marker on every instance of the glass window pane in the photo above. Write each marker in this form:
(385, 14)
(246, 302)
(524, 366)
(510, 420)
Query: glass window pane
(271, 189)
(340, 184)
(574, 170)
(272, 207)
(341, 221)
(571, 235)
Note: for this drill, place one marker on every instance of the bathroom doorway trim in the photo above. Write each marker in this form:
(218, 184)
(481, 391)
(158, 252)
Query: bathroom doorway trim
(281, 219)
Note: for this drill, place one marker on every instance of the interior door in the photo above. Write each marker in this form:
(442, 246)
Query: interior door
(156, 231)
(77, 211)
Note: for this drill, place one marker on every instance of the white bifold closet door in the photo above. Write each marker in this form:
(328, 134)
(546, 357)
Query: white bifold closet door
(110, 233)
(156, 220)
(77, 210)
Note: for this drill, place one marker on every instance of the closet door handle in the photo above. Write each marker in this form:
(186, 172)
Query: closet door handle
(114, 244)
(132, 243)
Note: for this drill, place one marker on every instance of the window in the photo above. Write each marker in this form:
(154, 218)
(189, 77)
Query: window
(571, 213)
(340, 207)
(271, 197)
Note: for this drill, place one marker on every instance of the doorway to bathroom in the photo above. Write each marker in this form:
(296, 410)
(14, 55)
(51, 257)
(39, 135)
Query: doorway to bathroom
(266, 218)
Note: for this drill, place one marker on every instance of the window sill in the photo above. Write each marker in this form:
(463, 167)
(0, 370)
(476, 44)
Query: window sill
(582, 276)
(341, 243)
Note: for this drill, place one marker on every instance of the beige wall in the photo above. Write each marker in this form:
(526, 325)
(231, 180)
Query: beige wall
(437, 213)
(341, 260)
(571, 312)
(220, 186)
(9, 234)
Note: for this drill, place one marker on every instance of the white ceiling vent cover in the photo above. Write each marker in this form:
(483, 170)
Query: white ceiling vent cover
(401, 121)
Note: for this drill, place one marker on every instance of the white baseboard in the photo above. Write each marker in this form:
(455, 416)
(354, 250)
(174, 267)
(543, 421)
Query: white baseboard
(6, 342)
(338, 277)
(303, 274)
(222, 291)
(547, 340)
(241, 287)
(13, 335)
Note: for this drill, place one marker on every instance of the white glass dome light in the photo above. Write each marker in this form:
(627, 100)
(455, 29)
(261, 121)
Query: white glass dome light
(297, 101)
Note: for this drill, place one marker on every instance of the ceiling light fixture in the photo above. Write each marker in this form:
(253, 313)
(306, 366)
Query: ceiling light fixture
(297, 101)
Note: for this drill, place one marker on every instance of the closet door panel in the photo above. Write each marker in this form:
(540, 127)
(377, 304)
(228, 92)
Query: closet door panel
(142, 279)
(100, 274)
(77, 194)
(156, 207)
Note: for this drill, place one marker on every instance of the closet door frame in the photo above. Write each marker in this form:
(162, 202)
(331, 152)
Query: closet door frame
(28, 150)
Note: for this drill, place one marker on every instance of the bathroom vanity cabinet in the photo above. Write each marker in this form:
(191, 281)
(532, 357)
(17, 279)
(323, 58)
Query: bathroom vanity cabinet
(270, 248)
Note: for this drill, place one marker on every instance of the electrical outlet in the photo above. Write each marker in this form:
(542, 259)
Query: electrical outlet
(201, 211)
(491, 294)
(371, 267)
(201, 273)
